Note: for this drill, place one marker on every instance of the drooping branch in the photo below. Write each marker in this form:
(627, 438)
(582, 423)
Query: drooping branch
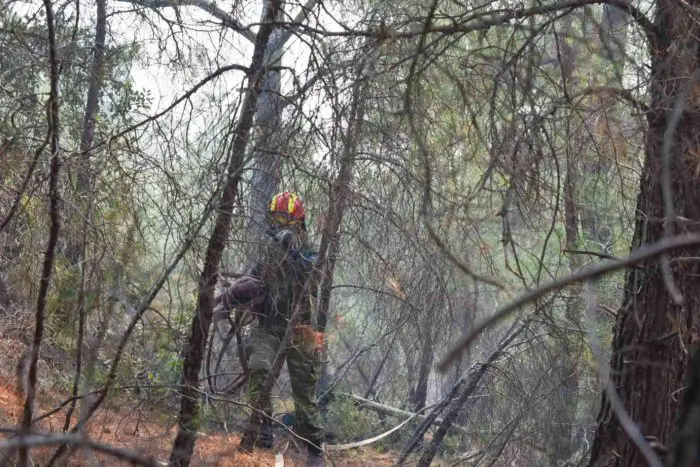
(215, 74)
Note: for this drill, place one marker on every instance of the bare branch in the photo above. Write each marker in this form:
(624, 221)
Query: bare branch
(210, 7)
(175, 103)
(499, 18)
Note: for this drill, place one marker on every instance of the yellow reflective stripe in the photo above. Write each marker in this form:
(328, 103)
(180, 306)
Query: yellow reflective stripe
(292, 200)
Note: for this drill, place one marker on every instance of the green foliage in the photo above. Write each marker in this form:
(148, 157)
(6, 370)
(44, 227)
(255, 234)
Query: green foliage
(347, 422)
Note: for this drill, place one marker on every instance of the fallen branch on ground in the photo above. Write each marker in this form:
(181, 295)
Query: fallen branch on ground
(393, 411)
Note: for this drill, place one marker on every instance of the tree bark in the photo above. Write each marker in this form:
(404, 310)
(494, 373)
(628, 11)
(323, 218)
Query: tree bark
(653, 334)
(188, 421)
(267, 157)
(686, 449)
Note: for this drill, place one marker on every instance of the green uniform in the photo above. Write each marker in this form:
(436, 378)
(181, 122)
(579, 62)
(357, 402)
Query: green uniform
(284, 274)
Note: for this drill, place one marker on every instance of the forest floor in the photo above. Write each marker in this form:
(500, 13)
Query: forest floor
(141, 428)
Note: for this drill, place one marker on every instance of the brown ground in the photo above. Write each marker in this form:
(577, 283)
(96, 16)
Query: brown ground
(124, 425)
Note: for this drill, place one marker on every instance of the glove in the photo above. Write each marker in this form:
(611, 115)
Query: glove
(319, 339)
(310, 338)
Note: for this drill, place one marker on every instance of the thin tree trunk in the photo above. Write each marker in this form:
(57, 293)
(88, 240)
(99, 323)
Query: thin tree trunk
(653, 334)
(76, 249)
(613, 36)
(49, 255)
(419, 433)
(565, 397)
(188, 421)
(378, 371)
(419, 392)
(329, 248)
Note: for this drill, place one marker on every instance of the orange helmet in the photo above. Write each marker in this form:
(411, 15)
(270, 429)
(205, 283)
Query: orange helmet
(287, 208)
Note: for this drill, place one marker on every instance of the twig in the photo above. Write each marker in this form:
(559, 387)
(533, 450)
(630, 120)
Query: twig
(642, 254)
(25, 182)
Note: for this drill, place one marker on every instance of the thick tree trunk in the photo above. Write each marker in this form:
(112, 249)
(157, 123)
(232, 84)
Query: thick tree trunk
(653, 334)
(188, 421)
(268, 117)
(267, 157)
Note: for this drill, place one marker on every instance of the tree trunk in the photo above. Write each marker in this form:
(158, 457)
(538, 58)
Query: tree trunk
(54, 230)
(419, 392)
(565, 398)
(329, 249)
(613, 36)
(75, 249)
(268, 117)
(653, 334)
(188, 421)
(563, 404)
(77, 244)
